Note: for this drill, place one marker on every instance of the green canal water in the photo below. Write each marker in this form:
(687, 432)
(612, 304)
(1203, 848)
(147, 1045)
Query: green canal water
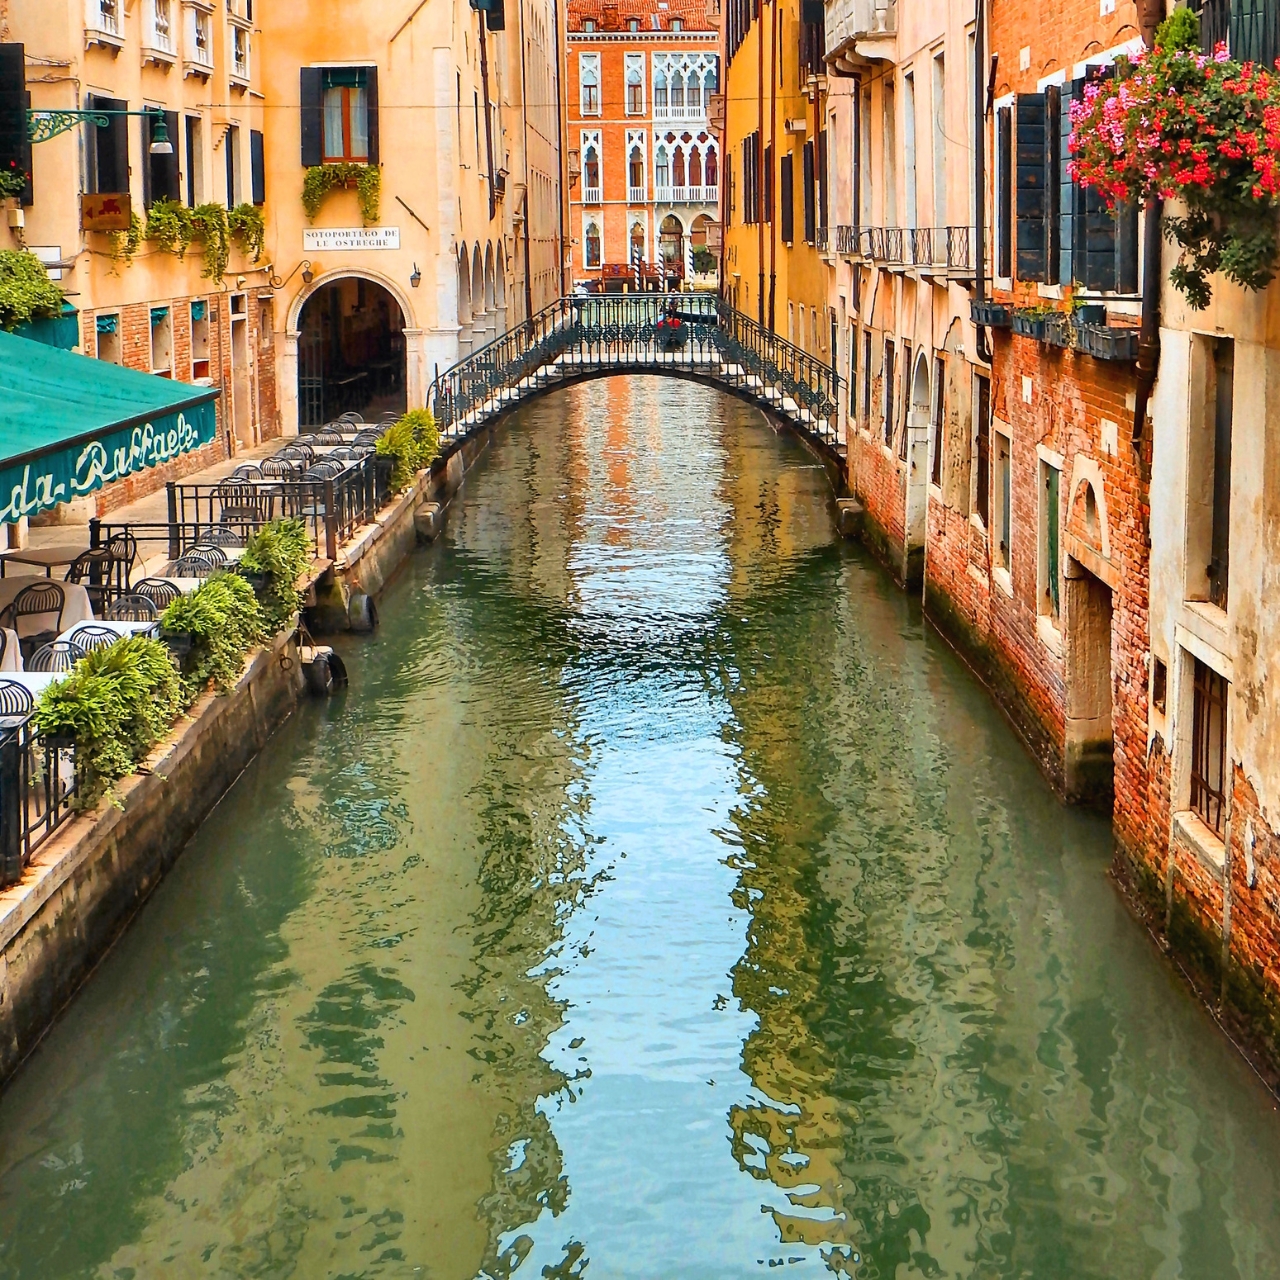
(662, 900)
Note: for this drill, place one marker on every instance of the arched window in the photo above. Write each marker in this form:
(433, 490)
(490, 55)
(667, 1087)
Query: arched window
(677, 93)
(592, 244)
(635, 84)
(662, 168)
(711, 176)
(591, 168)
(677, 169)
(695, 168)
(589, 83)
(635, 168)
(637, 242)
(660, 93)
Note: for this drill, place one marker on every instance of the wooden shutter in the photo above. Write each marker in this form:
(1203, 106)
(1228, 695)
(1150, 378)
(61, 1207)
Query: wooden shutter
(1004, 192)
(15, 145)
(495, 16)
(811, 11)
(159, 173)
(312, 86)
(809, 210)
(787, 199)
(822, 179)
(1032, 187)
(1068, 192)
(257, 168)
(1052, 182)
(1127, 248)
(371, 98)
(768, 183)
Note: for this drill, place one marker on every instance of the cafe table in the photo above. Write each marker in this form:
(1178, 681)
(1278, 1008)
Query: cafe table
(75, 608)
(46, 558)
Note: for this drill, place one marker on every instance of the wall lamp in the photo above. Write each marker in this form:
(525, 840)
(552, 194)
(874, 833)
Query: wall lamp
(307, 275)
(415, 276)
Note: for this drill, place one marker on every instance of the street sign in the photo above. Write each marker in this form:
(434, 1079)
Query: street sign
(105, 211)
(341, 239)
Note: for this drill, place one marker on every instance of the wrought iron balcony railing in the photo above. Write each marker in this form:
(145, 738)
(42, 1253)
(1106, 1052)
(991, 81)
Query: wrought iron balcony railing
(936, 248)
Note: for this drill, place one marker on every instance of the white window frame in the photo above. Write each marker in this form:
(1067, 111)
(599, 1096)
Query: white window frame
(587, 220)
(636, 138)
(592, 139)
(240, 54)
(589, 65)
(633, 66)
(160, 26)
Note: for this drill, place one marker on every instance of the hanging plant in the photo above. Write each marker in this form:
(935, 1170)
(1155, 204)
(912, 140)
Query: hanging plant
(246, 226)
(13, 180)
(209, 226)
(323, 178)
(124, 244)
(169, 226)
(1176, 123)
(25, 289)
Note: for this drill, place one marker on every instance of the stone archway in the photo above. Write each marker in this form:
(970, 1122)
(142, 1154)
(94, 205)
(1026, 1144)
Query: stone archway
(917, 458)
(352, 351)
(671, 244)
(464, 301)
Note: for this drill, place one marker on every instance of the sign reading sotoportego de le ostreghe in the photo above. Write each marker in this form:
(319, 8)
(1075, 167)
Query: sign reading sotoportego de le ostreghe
(340, 239)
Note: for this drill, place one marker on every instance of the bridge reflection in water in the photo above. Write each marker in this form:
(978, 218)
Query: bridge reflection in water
(661, 901)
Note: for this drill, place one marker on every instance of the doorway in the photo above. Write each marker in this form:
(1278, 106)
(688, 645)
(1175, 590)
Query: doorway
(1088, 763)
(242, 414)
(351, 353)
(917, 481)
(671, 244)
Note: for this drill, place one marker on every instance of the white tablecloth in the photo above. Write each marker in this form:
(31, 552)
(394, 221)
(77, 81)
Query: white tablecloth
(75, 608)
(12, 660)
(36, 681)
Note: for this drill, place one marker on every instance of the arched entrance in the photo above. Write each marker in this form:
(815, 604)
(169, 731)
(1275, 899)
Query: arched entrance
(916, 452)
(351, 352)
(671, 243)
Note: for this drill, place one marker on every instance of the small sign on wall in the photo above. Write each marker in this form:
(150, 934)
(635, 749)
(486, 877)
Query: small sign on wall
(105, 211)
(342, 239)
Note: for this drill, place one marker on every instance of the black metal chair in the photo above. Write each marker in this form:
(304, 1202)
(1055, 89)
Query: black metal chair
(247, 471)
(194, 566)
(132, 608)
(211, 552)
(57, 655)
(93, 635)
(93, 570)
(342, 454)
(331, 437)
(16, 703)
(160, 591)
(124, 549)
(281, 469)
(218, 536)
(350, 416)
(39, 600)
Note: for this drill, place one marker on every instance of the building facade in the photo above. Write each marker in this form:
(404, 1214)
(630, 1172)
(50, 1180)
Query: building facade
(143, 79)
(645, 165)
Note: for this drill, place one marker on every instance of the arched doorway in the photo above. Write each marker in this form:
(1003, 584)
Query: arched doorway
(351, 352)
(671, 243)
(916, 452)
(704, 261)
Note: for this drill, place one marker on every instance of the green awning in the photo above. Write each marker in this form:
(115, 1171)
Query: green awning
(69, 424)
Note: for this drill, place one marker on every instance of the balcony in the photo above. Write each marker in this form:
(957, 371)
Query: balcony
(102, 24)
(860, 32)
(637, 195)
(671, 107)
(591, 195)
(686, 195)
(933, 250)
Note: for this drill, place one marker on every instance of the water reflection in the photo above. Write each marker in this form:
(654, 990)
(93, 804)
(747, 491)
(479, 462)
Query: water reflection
(661, 901)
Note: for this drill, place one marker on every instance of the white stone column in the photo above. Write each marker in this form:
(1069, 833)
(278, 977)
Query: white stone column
(287, 383)
(415, 384)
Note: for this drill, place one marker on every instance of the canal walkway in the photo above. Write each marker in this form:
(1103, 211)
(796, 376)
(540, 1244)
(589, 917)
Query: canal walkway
(663, 899)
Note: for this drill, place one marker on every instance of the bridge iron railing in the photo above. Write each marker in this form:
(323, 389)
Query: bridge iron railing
(635, 333)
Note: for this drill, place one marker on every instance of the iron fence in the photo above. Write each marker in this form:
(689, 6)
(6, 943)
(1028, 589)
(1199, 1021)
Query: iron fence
(331, 509)
(1249, 28)
(634, 332)
(37, 787)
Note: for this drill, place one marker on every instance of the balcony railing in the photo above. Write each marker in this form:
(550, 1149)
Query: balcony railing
(690, 109)
(637, 195)
(37, 788)
(686, 195)
(936, 248)
(104, 16)
(1249, 28)
(591, 195)
(822, 239)
(850, 20)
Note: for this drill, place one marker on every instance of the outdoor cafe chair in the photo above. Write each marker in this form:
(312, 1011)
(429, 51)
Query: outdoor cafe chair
(194, 566)
(213, 554)
(247, 471)
(350, 416)
(331, 437)
(324, 470)
(32, 602)
(93, 635)
(344, 453)
(160, 591)
(133, 608)
(16, 703)
(57, 655)
(92, 570)
(124, 550)
(281, 469)
(218, 536)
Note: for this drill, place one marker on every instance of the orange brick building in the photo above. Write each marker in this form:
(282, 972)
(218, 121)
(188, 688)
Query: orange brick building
(644, 167)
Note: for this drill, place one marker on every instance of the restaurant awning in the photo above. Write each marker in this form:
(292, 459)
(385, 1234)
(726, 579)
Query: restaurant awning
(69, 424)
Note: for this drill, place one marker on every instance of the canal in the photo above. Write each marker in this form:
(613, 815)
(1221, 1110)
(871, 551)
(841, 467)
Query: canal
(662, 900)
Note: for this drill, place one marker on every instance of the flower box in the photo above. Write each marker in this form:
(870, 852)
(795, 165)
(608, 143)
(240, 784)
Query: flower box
(1109, 342)
(993, 314)
(1091, 313)
(1029, 326)
(1059, 331)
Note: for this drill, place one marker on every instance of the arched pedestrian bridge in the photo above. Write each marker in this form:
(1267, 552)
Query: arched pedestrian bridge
(693, 336)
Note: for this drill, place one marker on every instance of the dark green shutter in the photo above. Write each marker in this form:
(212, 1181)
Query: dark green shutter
(1053, 183)
(809, 208)
(1052, 484)
(312, 116)
(15, 143)
(1004, 192)
(371, 98)
(495, 17)
(257, 168)
(787, 199)
(1068, 192)
(768, 184)
(822, 178)
(1032, 187)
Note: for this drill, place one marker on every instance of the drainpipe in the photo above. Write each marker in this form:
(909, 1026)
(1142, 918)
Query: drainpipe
(980, 170)
(562, 53)
(488, 116)
(524, 115)
(759, 192)
(774, 161)
(1150, 12)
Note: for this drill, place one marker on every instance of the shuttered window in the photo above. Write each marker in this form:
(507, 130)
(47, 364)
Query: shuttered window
(160, 172)
(768, 183)
(15, 145)
(339, 114)
(1104, 244)
(1031, 187)
(787, 199)
(257, 168)
(822, 179)
(109, 148)
(810, 229)
(1068, 192)
(1004, 192)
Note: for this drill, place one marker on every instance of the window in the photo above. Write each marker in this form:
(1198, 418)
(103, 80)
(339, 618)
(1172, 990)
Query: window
(822, 179)
(201, 42)
(866, 380)
(887, 373)
(1220, 522)
(906, 393)
(1030, 172)
(636, 186)
(108, 335)
(787, 199)
(199, 339)
(1004, 193)
(257, 168)
(633, 24)
(339, 115)
(1208, 517)
(768, 180)
(194, 130)
(939, 143)
(589, 83)
(108, 150)
(810, 206)
(1209, 747)
(634, 73)
(588, 25)
(851, 372)
(677, 24)
(909, 146)
(591, 241)
(1159, 684)
(160, 172)
(161, 342)
(889, 149)
(982, 458)
(936, 419)
(864, 158)
(162, 25)
(1002, 534)
(231, 148)
(591, 193)
(240, 53)
(1050, 584)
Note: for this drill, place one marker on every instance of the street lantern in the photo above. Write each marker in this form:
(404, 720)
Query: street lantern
(160, 144)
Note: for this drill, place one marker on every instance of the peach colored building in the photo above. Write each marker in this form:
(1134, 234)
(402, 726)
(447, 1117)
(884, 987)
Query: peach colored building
(644, 164)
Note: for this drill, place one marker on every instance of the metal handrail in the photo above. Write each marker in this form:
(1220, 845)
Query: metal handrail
(629, 332)
(37, 790)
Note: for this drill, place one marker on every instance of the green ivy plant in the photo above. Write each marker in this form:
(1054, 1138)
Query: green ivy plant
(224, 621)
(115, 705)
(124, 244)
(279, 551)
(174, 228)
(25, 289)
(246, 226)
(414, 442)
(323, 178)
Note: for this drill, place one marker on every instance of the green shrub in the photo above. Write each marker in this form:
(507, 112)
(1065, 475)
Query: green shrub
(413, 442)
(25, 289)
(323, 178)
(224, 621)
(281, 550)
(115, 704)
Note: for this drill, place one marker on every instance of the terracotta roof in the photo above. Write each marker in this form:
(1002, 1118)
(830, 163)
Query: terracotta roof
(654, 15)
